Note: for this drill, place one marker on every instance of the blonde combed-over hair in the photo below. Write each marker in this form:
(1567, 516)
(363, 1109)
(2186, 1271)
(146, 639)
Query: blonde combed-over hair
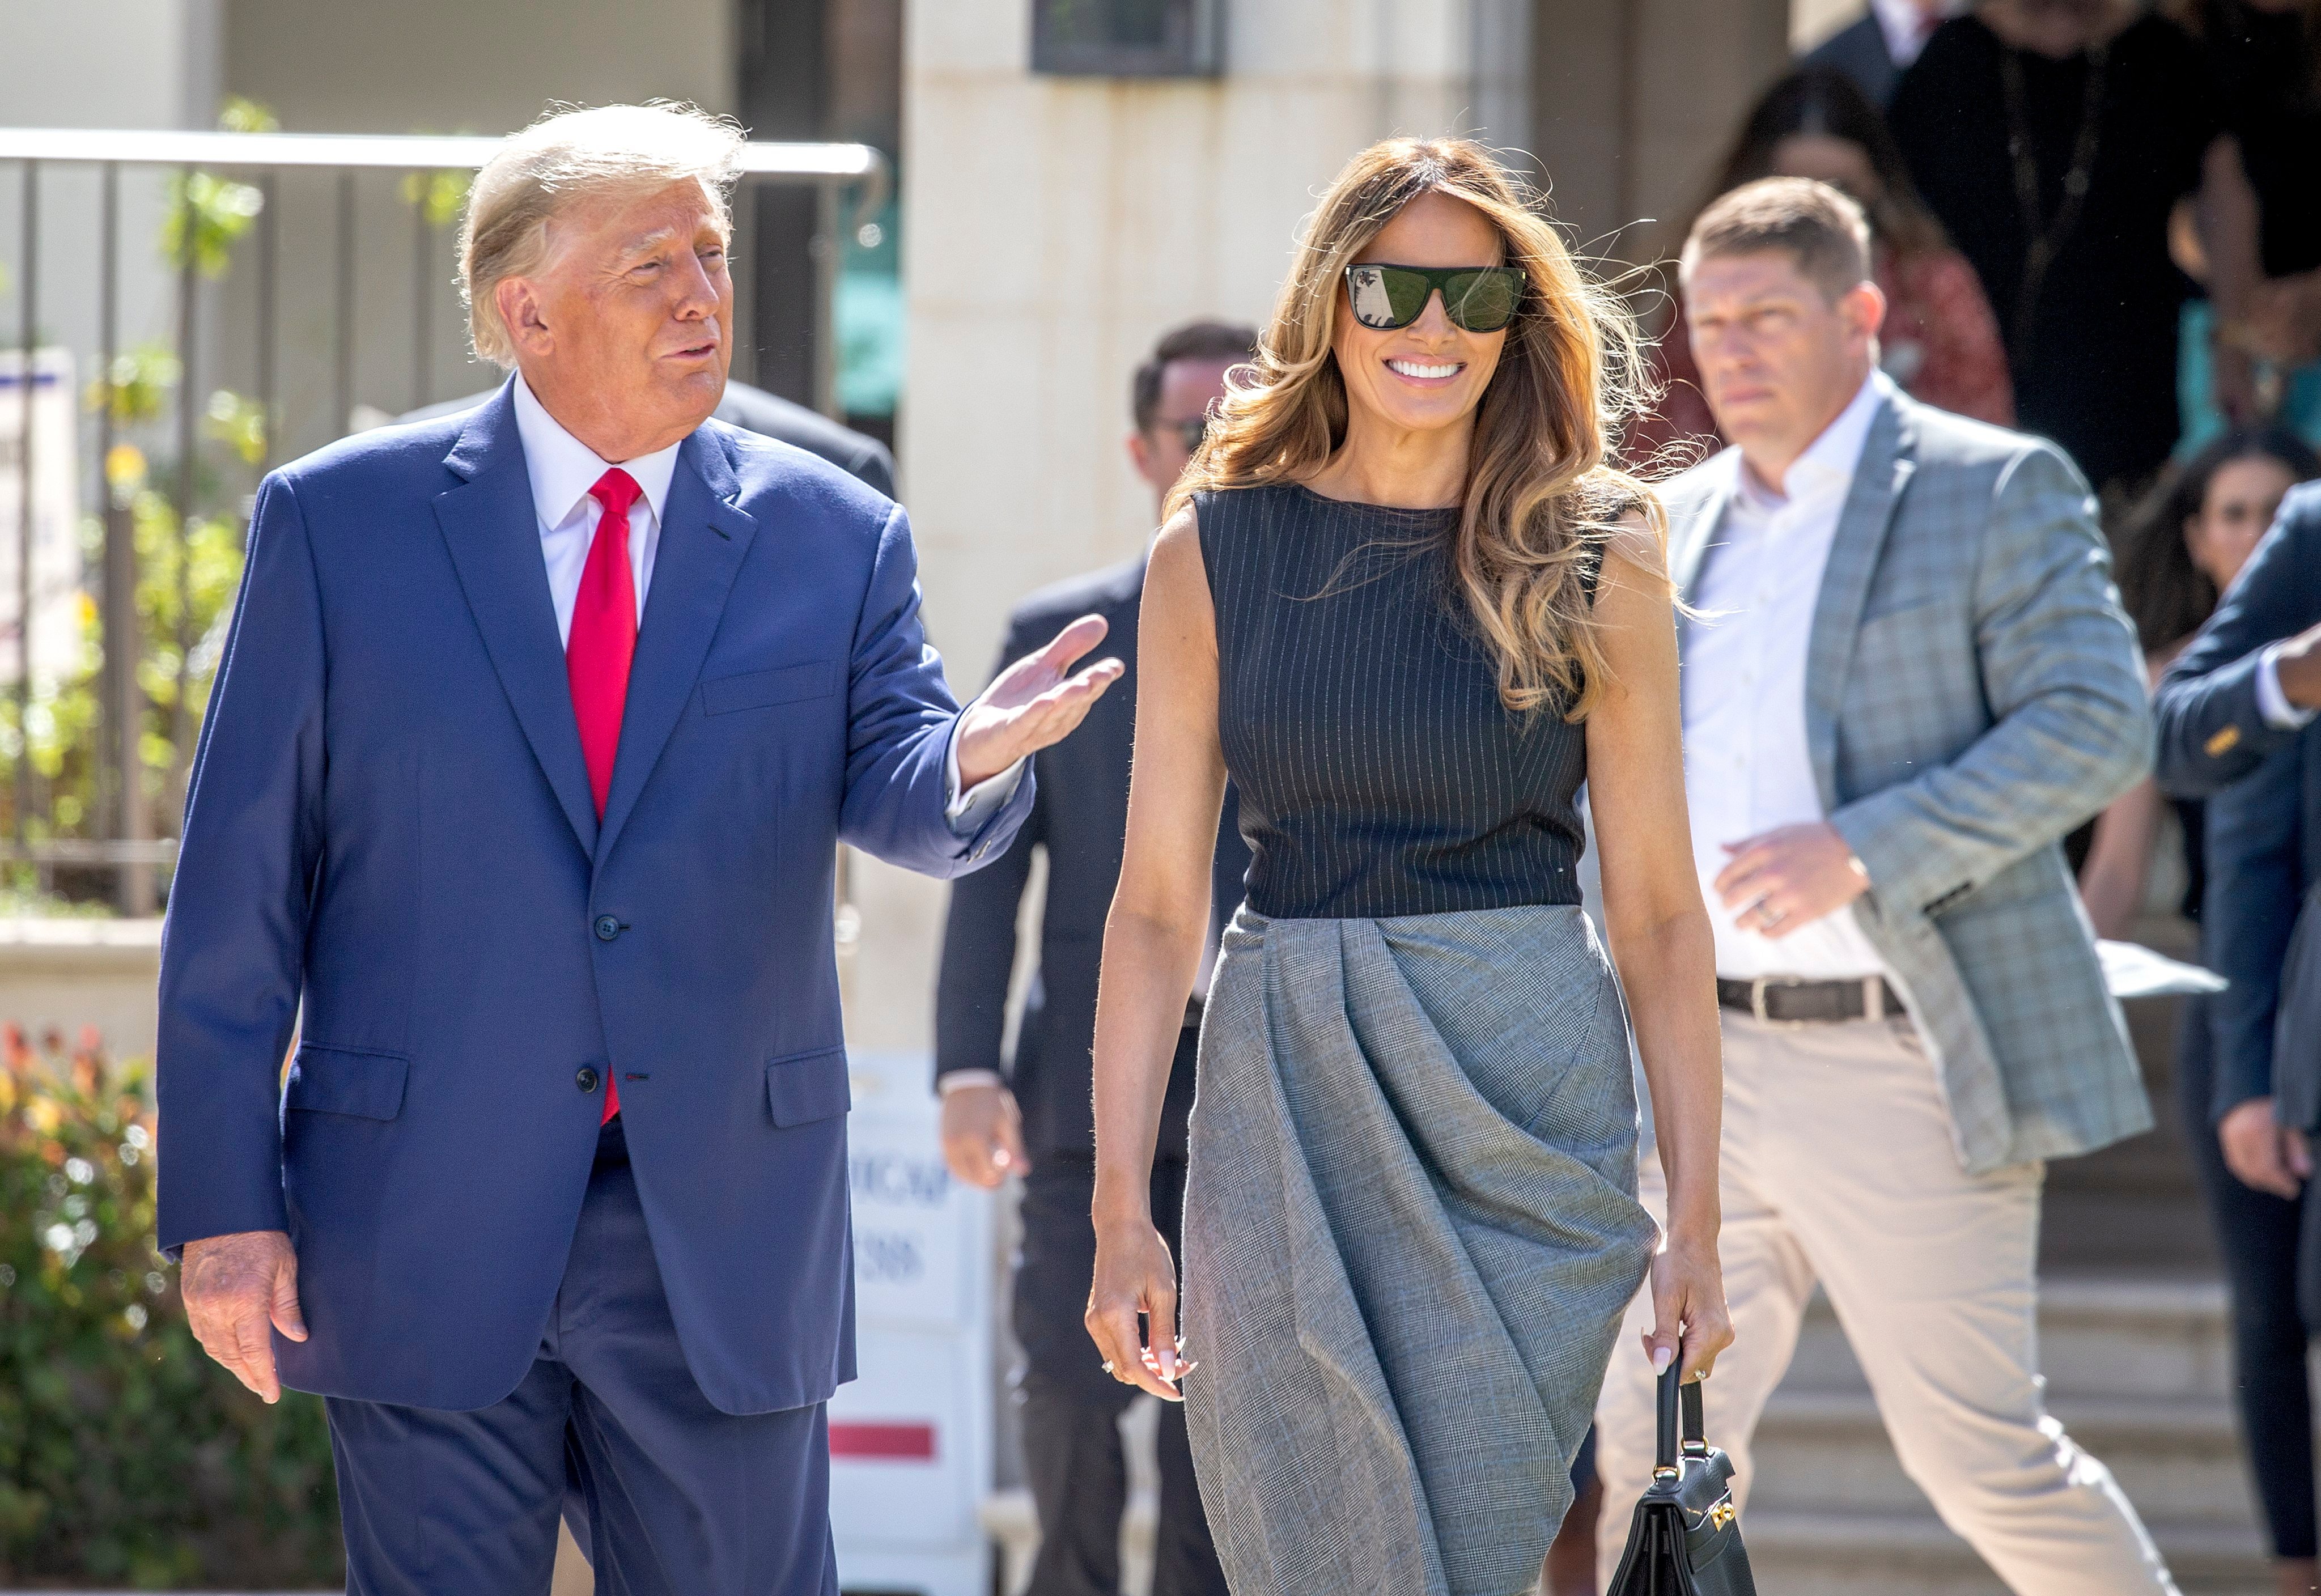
(1543, 497)
(568, 155)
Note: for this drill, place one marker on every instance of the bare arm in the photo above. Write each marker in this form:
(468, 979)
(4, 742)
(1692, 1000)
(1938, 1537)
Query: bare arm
(1660, 935)
(1153, 951)
(2226, 209)
(2119, 870)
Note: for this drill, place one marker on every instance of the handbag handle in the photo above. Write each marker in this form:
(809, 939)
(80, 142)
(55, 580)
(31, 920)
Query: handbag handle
(1680, 1424)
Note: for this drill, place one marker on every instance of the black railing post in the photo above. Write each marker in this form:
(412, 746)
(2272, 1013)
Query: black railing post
(342, 388)
(745, 364)
(829, 252)
(181, 715)
(28, 295)
(423, 301)
(123, 719)
(269, 265)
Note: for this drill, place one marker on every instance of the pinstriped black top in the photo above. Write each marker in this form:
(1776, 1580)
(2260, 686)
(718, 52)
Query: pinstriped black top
(1360, 714)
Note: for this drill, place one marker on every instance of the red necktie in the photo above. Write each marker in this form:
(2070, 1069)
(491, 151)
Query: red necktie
(597, 651)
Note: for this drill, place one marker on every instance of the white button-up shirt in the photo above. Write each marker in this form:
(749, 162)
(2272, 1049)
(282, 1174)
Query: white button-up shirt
(1746, 768)
(1903, 24)
(565, 471)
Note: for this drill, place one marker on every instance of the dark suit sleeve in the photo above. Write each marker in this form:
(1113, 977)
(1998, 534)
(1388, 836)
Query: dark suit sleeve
(901, 717)
(2249, 913)
(875, 467)
(232, 950)
(978, 949)
(2211, 731)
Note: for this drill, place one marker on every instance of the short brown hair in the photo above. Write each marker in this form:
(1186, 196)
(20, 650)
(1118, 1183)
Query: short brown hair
(1822, 230)
(1195, 341)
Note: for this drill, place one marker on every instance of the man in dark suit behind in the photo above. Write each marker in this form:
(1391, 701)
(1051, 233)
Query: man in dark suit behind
(1032, 1120)
(1875, 50)
(769, 415)
(2234, 712)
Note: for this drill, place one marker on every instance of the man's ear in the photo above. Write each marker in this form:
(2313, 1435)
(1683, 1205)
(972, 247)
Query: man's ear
(1140, 454)
(1863, 307)
(519, 304)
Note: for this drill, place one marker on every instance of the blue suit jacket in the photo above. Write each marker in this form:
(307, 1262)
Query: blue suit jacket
(2262, 784)
(390, 824)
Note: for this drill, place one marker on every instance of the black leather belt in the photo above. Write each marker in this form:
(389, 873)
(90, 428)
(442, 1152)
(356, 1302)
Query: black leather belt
(1780, 1002)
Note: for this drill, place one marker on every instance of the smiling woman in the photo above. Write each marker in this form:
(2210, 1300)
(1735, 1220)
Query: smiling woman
(1404, 601)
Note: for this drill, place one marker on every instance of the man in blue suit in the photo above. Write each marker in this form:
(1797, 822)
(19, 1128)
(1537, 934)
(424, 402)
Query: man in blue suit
(2234, 712)
(517, 799)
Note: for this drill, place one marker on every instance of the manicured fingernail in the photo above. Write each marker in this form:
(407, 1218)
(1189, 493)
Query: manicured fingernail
(1661, 1358)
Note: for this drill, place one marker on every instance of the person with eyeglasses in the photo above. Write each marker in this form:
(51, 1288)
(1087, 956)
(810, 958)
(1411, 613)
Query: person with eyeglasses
(1028, 1116)
(1405, 603)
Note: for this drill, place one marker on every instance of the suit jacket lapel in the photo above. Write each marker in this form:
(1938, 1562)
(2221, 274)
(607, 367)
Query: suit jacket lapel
(1888, 459)
(704, 539)
(1693, 533)
(492, 533)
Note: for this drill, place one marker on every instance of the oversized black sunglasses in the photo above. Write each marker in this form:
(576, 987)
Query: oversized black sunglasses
(1478, 299)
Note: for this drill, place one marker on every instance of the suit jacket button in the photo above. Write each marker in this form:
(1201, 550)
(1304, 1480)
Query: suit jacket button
(585, 1079)
(607, 928)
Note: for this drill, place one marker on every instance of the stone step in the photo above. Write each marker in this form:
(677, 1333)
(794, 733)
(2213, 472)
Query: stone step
(2139, 1374)
(2098, 1337)
(1829, 1451)
(1832, 1554)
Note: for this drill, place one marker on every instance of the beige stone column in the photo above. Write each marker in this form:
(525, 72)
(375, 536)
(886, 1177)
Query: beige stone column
(1052, 228)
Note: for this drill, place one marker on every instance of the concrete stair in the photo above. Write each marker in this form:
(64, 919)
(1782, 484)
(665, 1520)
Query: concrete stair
(2139, 1372)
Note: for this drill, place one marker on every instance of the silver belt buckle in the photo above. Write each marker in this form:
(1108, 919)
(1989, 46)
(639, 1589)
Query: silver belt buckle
(1757, 988)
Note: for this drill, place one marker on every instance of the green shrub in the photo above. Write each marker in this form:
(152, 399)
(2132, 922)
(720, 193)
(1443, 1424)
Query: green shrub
(126, 1457)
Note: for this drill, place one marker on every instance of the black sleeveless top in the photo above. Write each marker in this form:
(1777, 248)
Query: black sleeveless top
(1359, 709)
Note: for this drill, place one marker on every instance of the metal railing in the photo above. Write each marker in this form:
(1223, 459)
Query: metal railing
(126, 843)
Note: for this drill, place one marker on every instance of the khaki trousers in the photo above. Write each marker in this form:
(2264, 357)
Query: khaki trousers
(1838, 1167)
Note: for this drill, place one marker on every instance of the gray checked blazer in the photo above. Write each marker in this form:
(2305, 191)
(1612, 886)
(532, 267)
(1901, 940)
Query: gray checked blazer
(1973, 692)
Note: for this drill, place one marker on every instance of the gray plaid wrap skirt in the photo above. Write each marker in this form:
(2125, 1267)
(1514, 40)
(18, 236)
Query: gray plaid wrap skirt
(1411, 1230)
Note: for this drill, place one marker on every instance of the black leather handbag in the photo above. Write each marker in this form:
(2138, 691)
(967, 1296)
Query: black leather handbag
(1683, 1539)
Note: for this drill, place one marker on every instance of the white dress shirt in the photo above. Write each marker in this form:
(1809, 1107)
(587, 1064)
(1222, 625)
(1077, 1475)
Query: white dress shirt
(1746, 768)
(1904, 23)
(564, 472)
(2272, 701)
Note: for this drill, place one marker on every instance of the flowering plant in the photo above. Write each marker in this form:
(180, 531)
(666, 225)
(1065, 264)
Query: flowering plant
(126, 1457)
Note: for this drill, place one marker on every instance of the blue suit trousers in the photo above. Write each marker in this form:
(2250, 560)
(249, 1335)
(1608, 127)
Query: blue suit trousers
(668, 1495)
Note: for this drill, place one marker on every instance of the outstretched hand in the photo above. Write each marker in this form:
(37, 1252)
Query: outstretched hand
(1034, 703)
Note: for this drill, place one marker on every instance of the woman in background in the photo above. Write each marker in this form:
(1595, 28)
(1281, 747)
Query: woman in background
(1939, 342)
(2266, 55)
(2182, 549)
(1404, 603)
(2054, 138)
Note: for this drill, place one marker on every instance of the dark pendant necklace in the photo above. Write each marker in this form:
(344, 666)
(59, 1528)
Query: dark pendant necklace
(2043, 236)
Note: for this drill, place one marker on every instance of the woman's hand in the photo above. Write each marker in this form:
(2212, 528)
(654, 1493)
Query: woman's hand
(1687, 1296)
(1135, 1274)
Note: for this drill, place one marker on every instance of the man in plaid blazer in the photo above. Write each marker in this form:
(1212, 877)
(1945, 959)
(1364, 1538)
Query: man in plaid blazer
(1906, 677)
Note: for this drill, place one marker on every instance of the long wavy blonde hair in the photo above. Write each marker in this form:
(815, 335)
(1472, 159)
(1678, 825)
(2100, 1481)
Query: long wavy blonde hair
(1543, 497)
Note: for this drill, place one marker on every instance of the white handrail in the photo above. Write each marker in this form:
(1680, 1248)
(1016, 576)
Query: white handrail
(407, 152)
